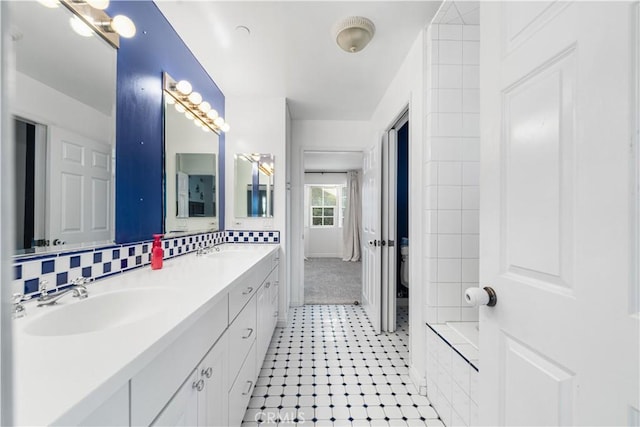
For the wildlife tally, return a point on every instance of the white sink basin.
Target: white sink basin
(99, 312)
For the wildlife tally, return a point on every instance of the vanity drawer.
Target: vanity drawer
(242, 334)
(247, 286)
(153, 387)
(242, 388)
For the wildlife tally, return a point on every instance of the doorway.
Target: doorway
(395, 226)
(332, 271)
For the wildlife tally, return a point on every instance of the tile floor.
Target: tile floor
(329, 368)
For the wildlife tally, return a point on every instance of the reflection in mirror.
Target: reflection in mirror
(254, 185)
(196, 185)
(64, 122)
(191, 173)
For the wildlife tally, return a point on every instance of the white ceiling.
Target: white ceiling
(290, 51)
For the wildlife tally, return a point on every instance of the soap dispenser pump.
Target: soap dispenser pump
(157, 254)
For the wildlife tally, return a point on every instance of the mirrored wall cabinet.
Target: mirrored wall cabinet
(254, 185)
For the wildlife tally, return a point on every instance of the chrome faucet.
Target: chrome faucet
(18, 308)
(205, 249)
(77, 287)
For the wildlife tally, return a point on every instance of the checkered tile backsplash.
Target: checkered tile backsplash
(58, 269)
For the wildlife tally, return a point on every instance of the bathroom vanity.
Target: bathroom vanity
(177, 346)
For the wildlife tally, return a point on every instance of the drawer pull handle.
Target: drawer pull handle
(250, 330)
(275, 314)
(207, 372)
(267, 285)
(248, 291)
(198, 385)
(250, 383)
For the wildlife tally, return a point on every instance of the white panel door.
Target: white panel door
(389, 179)
(79, 196)
(561, 345)
(371, 227)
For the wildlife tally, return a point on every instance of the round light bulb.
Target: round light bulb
(195, 98)
(124, 26)
(225, 127)
(188, 115)
(184, 87)
(205, 107)
(205, 128)
(180, 108)
(219, 121)
(198, 123)
(98, 4)
(51, 4)
(212, 114)
(169, 100)
(80, 27)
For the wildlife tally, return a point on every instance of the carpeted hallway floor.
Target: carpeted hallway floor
(332, 281)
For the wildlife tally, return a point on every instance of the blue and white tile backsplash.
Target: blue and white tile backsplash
(58, 269)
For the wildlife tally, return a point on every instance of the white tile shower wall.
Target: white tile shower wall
(58, 269)
(452, 165)
(451, 381)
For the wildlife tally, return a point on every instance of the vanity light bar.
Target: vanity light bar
(110, 29)
(182, 94)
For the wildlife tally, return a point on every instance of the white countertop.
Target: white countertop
(62, 379)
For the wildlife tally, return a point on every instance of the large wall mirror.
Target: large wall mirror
(64, 117)
(191, 172)
(254, 178)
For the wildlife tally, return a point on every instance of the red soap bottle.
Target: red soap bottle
(157, 254)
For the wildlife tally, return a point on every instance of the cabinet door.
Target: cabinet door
(182, 410)
(213, 398)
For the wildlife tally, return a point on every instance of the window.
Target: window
(324, 203)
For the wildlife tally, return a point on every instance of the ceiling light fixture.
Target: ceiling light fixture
(191, 103)
(354, 33)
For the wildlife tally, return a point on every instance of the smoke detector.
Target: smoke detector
(353, 33)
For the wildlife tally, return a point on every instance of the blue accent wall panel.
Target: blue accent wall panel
(156, 48)
(402, 189)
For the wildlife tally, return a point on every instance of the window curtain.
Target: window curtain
(352, 217)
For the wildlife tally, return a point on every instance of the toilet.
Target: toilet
(404, 263)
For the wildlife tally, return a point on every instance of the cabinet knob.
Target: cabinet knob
(250, 331)
(198, 385)
(267, 285)
(248, 291)
(207, 372)
(275, 314)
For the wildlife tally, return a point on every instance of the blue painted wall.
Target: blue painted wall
(155, 49)
(402, 195)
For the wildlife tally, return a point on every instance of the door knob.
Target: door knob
(481, 296)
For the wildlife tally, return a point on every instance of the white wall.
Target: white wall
(315, 135)
(43, 104)
(322, 242)
(406, 89)
(452, 171)
(259, 125)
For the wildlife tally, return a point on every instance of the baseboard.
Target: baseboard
(418, 380)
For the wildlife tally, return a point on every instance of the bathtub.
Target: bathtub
(452, 371)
